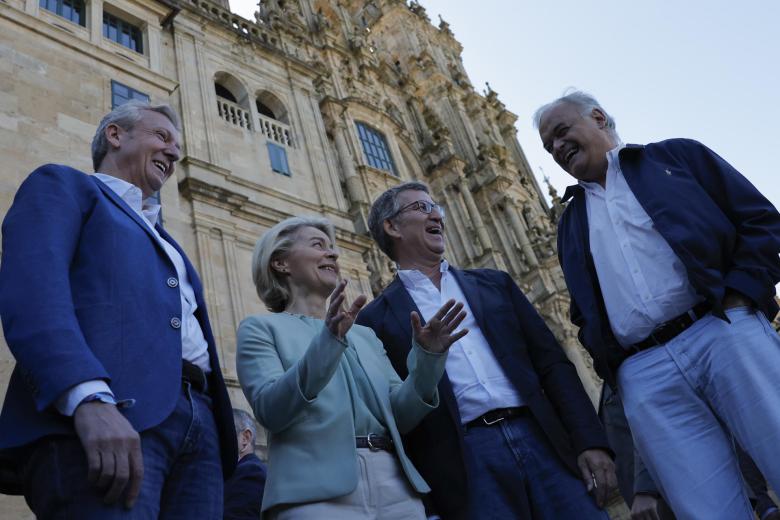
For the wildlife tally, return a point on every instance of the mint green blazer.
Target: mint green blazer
(311, 442)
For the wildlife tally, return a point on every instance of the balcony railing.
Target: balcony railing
(275, 130)
(232, 113)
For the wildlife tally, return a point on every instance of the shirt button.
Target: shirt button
(172, 282)
(175, 323)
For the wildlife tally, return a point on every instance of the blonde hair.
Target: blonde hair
(276, 242)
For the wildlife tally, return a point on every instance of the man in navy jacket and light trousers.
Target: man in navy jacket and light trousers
(116, 407)
(671, 259)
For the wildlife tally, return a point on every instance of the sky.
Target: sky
(702, 69)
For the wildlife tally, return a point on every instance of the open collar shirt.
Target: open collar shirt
(477, 379)
(642, 280)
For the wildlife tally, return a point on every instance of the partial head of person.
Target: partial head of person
(246, 432)
(296, 258)
(139, 143)
(578, 133)
(408, 226)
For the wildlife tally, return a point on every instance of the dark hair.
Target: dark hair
(385, 207)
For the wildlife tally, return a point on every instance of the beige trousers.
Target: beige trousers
(382, 493)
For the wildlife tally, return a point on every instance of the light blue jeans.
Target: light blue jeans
(685, 399)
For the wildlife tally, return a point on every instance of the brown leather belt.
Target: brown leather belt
(193, 374)
(670, 329)
(374, 442)
(496, 416)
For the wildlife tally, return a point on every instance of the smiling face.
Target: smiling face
(579, 144)
(418, 238)
(311, 264)
(146, 154)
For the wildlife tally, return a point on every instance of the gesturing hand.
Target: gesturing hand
(337, 319)
(113, 450)
(437, 335)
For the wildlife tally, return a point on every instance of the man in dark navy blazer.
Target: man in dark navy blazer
(244, 490)
(671, 259)
(516, 435)
(116, 407)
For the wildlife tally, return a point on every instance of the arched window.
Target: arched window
(232, 100)
(273, 121)
(375, 148)
(224, 93)
(264, 110)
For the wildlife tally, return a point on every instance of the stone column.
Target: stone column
(351, 178)
(521, 232)
(476, 218)
(95, 19)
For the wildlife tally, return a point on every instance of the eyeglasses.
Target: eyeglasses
(421, 205)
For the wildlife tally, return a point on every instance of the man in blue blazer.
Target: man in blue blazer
(244, 490)
(116, 407)
(671, 259)
(516, 435)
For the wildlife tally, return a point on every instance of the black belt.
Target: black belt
(669, 329)
(193, 374)
(496, 416)
(374, 442)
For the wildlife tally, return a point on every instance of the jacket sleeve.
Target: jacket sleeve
(755, 265)
(278, 396)
(41, 233)
(413, 398)
(557, 375)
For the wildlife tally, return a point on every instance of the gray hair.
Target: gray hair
(583, 101)
(244, 421)
(385, 207)
(126, 116)
(272, 286)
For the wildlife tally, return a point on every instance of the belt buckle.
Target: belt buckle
(491, 423)
(370, 444)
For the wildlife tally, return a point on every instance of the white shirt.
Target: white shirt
(642, 280)
(478, 381)
(194, 345)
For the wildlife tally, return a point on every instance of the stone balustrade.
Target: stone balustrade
(275, 130)
(232, 113)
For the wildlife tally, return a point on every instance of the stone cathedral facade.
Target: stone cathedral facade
(312, 108)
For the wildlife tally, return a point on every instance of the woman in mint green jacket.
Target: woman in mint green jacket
(331, 402)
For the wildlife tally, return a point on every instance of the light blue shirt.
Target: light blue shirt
(478, 381)
(642, 280)
(194, 345)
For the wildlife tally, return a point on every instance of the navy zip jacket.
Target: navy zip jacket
(724, 231)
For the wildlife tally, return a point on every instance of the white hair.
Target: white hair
(583, 101)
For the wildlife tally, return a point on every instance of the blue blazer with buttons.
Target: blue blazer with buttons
(723, 230)
(87, 292)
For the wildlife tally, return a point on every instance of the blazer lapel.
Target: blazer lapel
(121, 204)
(401, 305)
(473, 294)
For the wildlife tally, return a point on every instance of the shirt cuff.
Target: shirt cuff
(67, 403)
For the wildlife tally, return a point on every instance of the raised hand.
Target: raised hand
(337, 319)
(437, 334)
